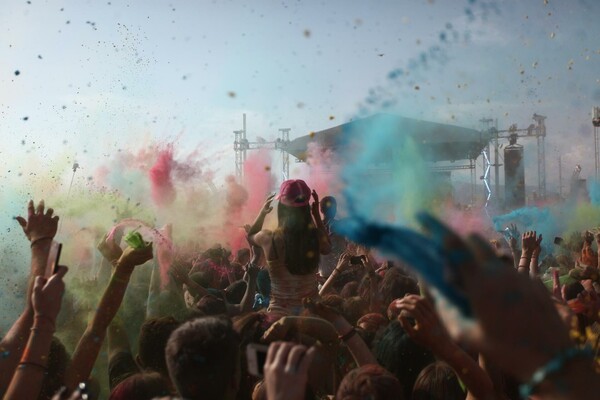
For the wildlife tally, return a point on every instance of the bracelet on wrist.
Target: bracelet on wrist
(33, 364)
(348, 335)
(553, 366)
(40, 318)
(36, 241)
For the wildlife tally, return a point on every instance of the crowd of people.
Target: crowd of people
(303, 313)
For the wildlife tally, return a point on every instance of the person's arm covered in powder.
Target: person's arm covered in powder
(255, 238)
(29, 377)
(40, 228)
(89, 345)
(324, 240)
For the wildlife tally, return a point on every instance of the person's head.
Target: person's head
(370, 382)
(353, 308)
(328, 207)
(571, 290)
(396, 285)
(437, 381)
(243, 256)
(350, 289)
(371, 326)
(152, 341)
(296, 227)
(401, 356)
(203, 357)
(207, 277)
(211, 305)
(141, 386)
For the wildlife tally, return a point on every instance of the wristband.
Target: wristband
(43, 317)
(348, 335)
(33, 364)
(40, 239)
(554, 365)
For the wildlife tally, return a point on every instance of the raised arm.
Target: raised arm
(89, 345)
(534, 270)
(529, 241)
(429, 332)
(324, 240)
(317, 328)
(347, 333)
(28, 378)
(39, 228)
(343, 263)
(256, 227)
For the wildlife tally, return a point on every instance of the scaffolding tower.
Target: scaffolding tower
(537, 131)
(242, 145)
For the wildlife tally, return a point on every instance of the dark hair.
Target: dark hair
(437, 381)
(328, 207)
(370, 382)
(205, 277)
(242, 253)
(370, 327)
(572, 290)
(350, 289)
(400, 355)
(300, 237)
(152, 340)
(353, 308)
(58, 361)
(141, 386)
(396, 285)
(234, 293)
(202, 357)
(211, 305)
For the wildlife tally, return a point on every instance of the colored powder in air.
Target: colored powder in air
(323, 171)
(162, 189)
(258, 183)
(385, 175)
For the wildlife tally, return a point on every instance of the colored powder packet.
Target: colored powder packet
(135, 240)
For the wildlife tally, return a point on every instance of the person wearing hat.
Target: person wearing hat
(293, 249)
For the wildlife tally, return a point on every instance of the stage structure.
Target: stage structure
(445, 147)
(537, 131)
(242, 145)
(596, 123)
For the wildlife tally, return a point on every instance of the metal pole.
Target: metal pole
(560, 185)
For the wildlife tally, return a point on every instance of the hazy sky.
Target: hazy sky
(97, 76)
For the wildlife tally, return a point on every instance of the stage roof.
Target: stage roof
(437, 142)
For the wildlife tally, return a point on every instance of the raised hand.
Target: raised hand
(556, 287)
(314, 207)
(537, 246)
(320, 309)
(47, 295)
(516, 323)
(132, 257)
(267, 208)
(343, 262)
(277, 331)
(530, 242)
(109, 249)
(512, 233)
(39, 225)
(428, 330)
(286, 370)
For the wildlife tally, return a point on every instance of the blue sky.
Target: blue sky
(116, 74)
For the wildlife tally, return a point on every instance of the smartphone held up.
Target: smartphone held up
(53, 259)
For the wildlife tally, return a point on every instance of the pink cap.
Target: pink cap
(294, 193)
